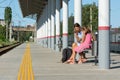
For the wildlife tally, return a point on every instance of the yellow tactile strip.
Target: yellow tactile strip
(25, 71)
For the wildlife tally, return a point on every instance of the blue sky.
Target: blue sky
(16, 13)
(19, 20)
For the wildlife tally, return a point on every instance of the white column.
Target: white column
(41, 30)
(104, 27)
(46, 23)
(78, 11)
(42, 33)
(65, 23)
(49, 23)
(41, 25)
(57, 23)
(52, 23)
(35, 32)
(38, 35)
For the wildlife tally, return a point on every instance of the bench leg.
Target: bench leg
(96, 60)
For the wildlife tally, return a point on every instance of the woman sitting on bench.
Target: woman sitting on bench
(85, 45)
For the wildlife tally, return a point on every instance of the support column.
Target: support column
(65, 23)
(77, 16)
(41, 30)
(52, 23)
(42, 33)
(46, 23)
(35, 33)
(49, 23)
(78, 11)
(57, 23)
(104, 27)
(38, 30)
(44, 28)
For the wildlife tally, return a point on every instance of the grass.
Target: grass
(6, 43)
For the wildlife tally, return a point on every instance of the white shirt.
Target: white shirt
(80, 36)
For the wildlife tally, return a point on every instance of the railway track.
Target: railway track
(7, 48)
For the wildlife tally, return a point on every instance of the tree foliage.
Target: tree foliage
(2, 33)
(70, 24)
(86, 16)
(8, 15)
(23, 35)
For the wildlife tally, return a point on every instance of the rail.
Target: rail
(7, 48)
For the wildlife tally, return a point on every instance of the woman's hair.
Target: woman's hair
(76, 25)
(87, 29)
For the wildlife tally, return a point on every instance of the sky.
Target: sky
(17, 18)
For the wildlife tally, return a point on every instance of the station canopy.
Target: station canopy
(31, 7)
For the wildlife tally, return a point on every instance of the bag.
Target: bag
(66, 53)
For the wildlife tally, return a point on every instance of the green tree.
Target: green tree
(2, 33)
(24, 36)
(70, 24)
(86, 16)
(8, 17)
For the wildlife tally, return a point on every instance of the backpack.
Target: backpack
(66, 53)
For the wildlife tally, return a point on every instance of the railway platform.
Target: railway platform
(30, 61)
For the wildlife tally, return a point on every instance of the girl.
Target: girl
(86, 43)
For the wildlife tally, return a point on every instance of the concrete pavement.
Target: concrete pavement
(47, 66)
(10, 62)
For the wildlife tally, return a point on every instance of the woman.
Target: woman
(86, 43)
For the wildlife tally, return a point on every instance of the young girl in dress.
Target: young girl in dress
(86, 43)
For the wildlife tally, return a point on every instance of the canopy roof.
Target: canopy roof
(29, 7)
